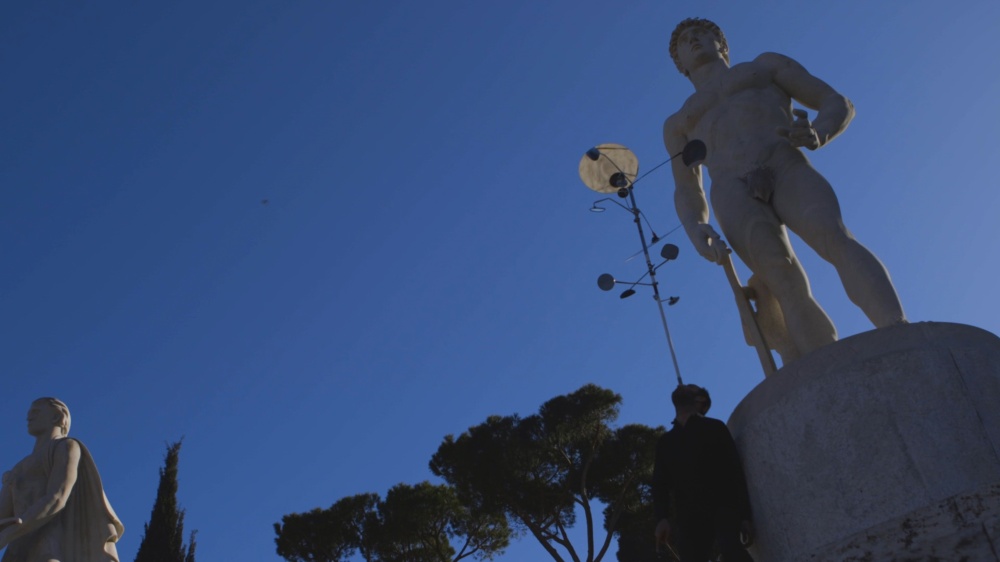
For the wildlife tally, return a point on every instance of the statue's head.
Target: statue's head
(704, 24)
(46, 413)
(691, 396)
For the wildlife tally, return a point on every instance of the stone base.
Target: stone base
(964, 528)
(882, 446)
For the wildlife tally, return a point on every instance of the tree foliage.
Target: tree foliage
(163, 536)
(634, 449)
(421, 523)
(539, 471)
(327, 535)
(189, 557)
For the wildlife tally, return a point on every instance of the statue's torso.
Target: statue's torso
(737, 117)
(28, 482)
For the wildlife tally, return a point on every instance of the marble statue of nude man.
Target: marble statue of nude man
(763, 183)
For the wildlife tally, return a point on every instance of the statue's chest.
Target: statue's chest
(28, 480)
(744, 85)
(745, 77)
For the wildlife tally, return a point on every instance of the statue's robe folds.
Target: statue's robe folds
(86, 530)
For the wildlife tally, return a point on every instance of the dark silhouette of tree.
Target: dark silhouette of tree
(629, 460)
(635, 536)
(163, 536)
(538, 471)
(189, 557)
(327, 535)
(421, 523)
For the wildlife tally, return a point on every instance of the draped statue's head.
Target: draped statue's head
(46, 413)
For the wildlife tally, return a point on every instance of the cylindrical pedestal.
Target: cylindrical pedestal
(882, 446)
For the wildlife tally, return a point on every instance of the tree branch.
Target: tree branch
(588, 513)
(545, 543)
(566, 542)
(461, 553)
(616, 512)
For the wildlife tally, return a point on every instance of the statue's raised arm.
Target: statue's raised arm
(835, 110)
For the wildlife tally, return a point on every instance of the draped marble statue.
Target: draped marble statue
(52, 504)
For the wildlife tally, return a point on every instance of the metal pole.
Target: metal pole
(652, 277)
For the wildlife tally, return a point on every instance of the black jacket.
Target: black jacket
(698, 470)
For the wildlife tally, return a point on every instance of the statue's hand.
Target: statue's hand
(801, 133)
(709, 244)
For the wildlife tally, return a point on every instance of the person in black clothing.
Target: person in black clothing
(698, 476)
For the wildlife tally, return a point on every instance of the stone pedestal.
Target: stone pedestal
(882, 446)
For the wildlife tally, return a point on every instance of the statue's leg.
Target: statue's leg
(806, 203)
(758, 238)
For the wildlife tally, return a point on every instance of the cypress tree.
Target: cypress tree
(163, 536)
(190, 548)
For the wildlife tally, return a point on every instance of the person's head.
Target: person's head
(47, 413)
(692, 25)
(691, 398)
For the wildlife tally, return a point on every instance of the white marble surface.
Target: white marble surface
(763, 184)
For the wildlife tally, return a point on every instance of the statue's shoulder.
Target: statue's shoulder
(672, 124)
(64, 447)
(772, 61)
(675, 131)
(679, 121)
(67, 443)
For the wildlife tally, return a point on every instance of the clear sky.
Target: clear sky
(425, 257)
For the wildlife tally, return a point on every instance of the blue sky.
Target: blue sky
(425, 257)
